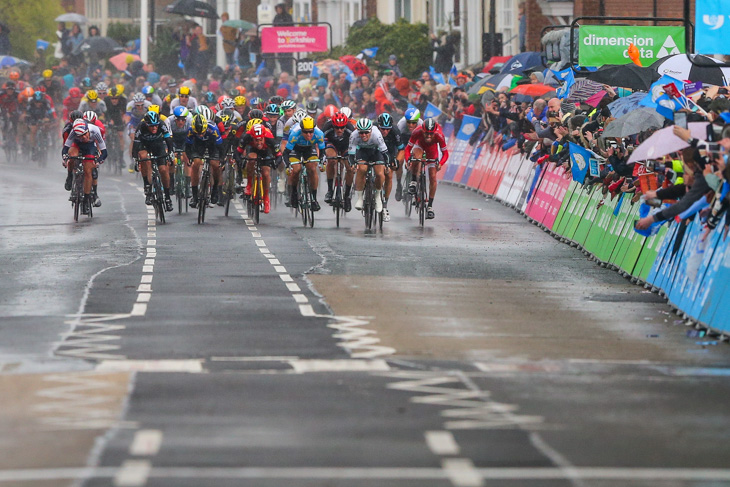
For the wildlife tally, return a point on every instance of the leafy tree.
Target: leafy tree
(164, 52)
(122, 33)
(28, 21)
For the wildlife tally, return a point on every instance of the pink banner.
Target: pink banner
(294, 39)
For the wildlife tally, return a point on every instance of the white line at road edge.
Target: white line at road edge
(134, 473)
(146, 443)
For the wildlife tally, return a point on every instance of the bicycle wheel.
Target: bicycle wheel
(304, 196)
(338, 205)
(202, 197)
(76, 204)
(422, 202)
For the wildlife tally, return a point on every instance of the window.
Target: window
(457, 13)
(403, 9)
(124, 9)
(507, 20)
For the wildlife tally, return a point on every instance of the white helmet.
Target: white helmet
(346, 111)
(90, 116)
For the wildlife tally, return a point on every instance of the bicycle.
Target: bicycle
(42, 144)
(255, 202)
(116, 154)
(10, 143)
(228, 188)
(407, 196)
(368, 209)
(205, 187)
(338, 198)
(77, 188)
(158, 192)
(305, 195)
(420, 201)
(182, 183)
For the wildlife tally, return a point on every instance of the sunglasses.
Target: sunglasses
(184, 96)
(307, 131)
(363, 132)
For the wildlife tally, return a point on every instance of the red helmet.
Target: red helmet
(220, 99)
(74, 92)
(257, 131)
(339, 119)
(329, 111)
(430, 125)
(14, 75)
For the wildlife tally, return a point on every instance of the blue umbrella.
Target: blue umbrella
(523, 62)
(6, 61)
(624, 105)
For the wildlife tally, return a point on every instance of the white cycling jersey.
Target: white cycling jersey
(95, 137)
(374, 142)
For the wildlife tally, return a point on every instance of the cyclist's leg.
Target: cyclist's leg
(250, 167)
(313, 172)
(415, 168)
(296, 167)
(33, 132)
(362, 169)
(145, 166)
(266, 177)
(432, 183)
(331, 170)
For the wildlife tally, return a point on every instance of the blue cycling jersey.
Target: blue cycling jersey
(297, 138)
(211, 134)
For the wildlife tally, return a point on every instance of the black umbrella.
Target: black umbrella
(98, 45)
(193, 8)
(693, 68)
(624, 76)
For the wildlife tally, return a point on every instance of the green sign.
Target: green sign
(609, 44)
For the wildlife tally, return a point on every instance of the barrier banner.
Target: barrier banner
(566, 209)
(468, 126)
(495, 172)
(294, 39)
(521, 181)
(475, 153)
(489, 169)
(509, 175)
(478, 171)
(540, 199)
(463, 163)
(556, 193)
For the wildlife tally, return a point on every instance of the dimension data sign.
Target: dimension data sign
(609, 44)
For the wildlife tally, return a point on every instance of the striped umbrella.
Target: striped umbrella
(686, 67)
(624, 105)
(583, 89)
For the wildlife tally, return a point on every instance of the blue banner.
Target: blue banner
(452, 75)
(370, 51)
(579, 158)
(437, 77)
(568, 79)
(660, 101)
(431, 111)
(712, 26)
(469, 125)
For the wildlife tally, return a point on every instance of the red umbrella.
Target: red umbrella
(358, 67)
(532, 89)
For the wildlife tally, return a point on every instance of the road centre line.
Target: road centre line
(462, 473)
(134, 473)
(146, 443)
(442, 442)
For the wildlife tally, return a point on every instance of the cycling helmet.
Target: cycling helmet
(114, 92)
(138, 98)
(171, 83)
(75, 115)
(220, 99)
(90, 116)
(258, 131)
(200, 124)
(39, 96)
(346, 111)
(205, 112)
(226, 116)
(10, 85)
(307, 123)
(240, 101)
(276, 100)
(74, 92)
(273, 109)
(312, 106)
(299, 115)
(385, 121)
(412, 115)
(256, 113)
(154, 108)
(329, 111)
(28, 93)
(340, 120)
(183, 90)
(288, 104)
(227, 103)
(92, 95)
(101, 86)
(252, 122)
(152, 118)
(120, 90)
(241, 90)
(40, 87)
(14, 75)
(181, 112)
(364, 125)
(147, 90)
(86, 82)
(47, 74)
(255, 101)
(80, 127)
(429, 125)
(232, 93)
(210, 97)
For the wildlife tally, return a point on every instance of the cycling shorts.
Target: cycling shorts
(302, 152)
(155, 148)
(369, 154)
(262, 154)
(86, 148)
(197, 149)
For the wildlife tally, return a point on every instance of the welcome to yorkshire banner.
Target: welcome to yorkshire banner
(609, 44)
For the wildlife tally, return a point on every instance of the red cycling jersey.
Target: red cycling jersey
(9, 103)
(430, 149)
(100, 124)
(69, 105)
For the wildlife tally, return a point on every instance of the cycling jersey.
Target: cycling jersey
(339, 143)
(69, 105)
(296, 139)
(9, 104)
(374, 142)
(99, 108)
(192, 103)
(37, 111)
(155, 143)
(114, 113)
(87, 148)
(195, 144)
(179, 135)
(430, 149)
(394, 142)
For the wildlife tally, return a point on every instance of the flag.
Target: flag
(370, 52)
(261, 66)
(437, 77)
(712, 26)
(350, 76)
(568, 79)
(452, 75)
(660, 97)
(690, 88)
(41, 44)
(431, 111)
(579, 159)
(315, 72)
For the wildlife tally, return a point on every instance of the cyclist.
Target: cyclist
(184, 98)
(337, 140)
(210, 101)
(325, 117)
(179, 125)
(203, 135)
(305, 143)
(292, 123)
(53, 86)
(92, 119)
(151, 96)
(395, 154)
(406, 125)
(72, 101)
(136, 110)
(425, 142)
(289, 107)
(86, 84)
(38, 111)
(239, 105)
(225, 121)
(312, 109)
(102, 90)
(92, 101)
(366, 146)
(116, 105)
(153, 139)
(259, 143)
(86, 141)
(9, 106)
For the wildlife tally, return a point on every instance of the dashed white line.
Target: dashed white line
(133, 473)
(442, 443)
(307, 310)
(286, 277)
(144, 288)
(192, 366)
(146, 443)
(293, 287)
(279, 268)
(273, 261)
(300, 298)
(462, 473)
(139, 309)
(347, 365)
(146, 278)
(255, 234)
(147, 268)
(265, 358)
(149, 262)
(143, 297)
(151, 243)
(260, 243)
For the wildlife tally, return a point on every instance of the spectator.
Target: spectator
(283, 18)
(393, 66)
(73, 42)
(4, 40)
(230, 36)
(445, 52)
(93, 31)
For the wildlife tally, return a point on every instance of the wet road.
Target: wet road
(475, 352)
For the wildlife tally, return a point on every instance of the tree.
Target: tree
(28, 21)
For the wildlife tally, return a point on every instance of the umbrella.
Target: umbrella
(594, 100)
(624, 75)
(330, 65)
(71, 17)
(6, 61)
(239, 24)
(688, 67)
(495, 62)
(193, 8)
(522, 62)
(358, 67)
(534, 90)
(494, 82)
(98, 45)
(663, 142)
(120, 60)
(583, 89)
(622, 106)
(635, 121)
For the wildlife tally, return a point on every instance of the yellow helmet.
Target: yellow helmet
(307, 123)
(92, 95)
(120, 90)
(240, 101)
(47, 73)
(252, 122)
(199, 124)
(154, 108)
(183, 90)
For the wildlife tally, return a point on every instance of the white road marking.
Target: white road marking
(151, 234)
(286, 277)
(190, 366)
(147, 268)
(264, 250)
(150, 223)
(253, 229)
(133, 185)
(260, 243)
(293, 287)
(462, 473)
(139, 309)
(347, 365)
(300, 298)
(144, 288)
(134, 473)
(442, 443)
(273, 261)
(149, 262)
(151, 243)
(255, 234)
(254, 359)
(144, 297)
(146, 278)
(307, 310)
(146, 443)
(279, 268)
